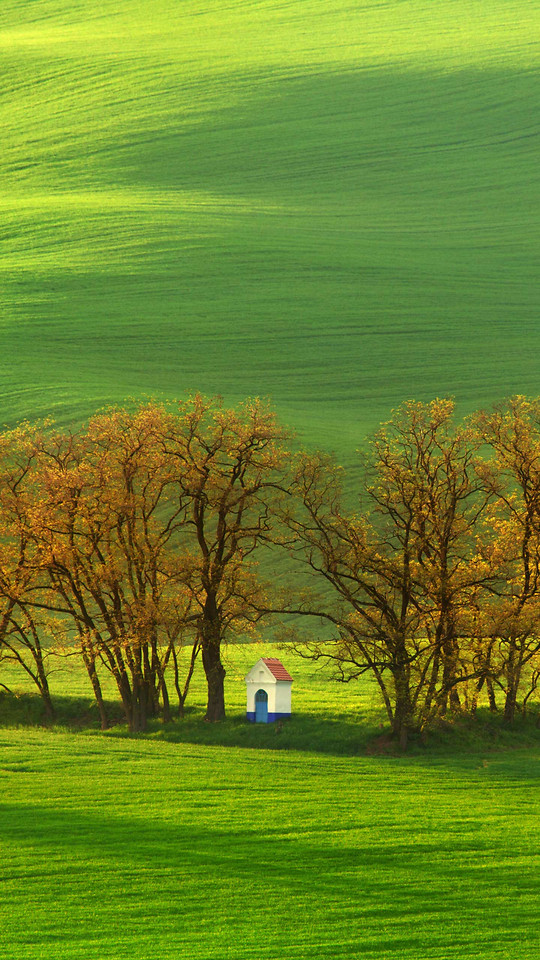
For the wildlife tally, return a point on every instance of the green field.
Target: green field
(331, 204)
(179, 846)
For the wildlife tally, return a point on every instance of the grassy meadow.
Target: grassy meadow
(203, 841)
(330, 204)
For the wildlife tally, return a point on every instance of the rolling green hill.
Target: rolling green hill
(328, 203)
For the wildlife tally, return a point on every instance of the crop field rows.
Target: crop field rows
(329, 207)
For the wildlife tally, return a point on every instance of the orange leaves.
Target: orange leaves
(136, 525)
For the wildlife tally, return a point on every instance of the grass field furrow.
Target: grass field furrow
(333, 207)
(305, 855)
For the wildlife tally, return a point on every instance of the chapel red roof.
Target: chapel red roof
(276, 668)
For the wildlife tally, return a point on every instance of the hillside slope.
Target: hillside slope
(332, 204)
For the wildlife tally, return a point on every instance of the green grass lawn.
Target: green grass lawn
(329, 204)
(203, 841)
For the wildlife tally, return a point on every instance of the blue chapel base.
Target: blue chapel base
(272, 717)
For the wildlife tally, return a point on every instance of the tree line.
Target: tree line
(134, 541)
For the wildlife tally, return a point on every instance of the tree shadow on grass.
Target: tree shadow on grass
(366, 735)
(76, 713)
(329, 733)
(305, 732)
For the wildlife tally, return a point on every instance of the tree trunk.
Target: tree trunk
(118, 669)
(487, 679)
(510, 704)
(128, 696)
(215, 676)
(210, 637)
(513, 677)
(432, 686)
(167, 715)
(139, 714)
(402, 723)
(177, 682)
(449, 695)
(150, 682)
(161, 688)
(491, 695)
(90, 664)
(42, 680)
(47, 700)
(182, 694)
(136, 715)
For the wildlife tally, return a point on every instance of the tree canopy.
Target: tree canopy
(135, 540)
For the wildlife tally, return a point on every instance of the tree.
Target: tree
(21, 625)
(428, 494)
(140, 532)
(404, 571)
(230, 467)
(104, 520)
(512, 541)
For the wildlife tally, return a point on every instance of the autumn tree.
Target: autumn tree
(104, 524)
(230, 466)
(511, 612)
(140, 533)
(21, 625)
(426, 485)
(402, 570)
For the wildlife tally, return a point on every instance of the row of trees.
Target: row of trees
(134, 540)
(435, 578)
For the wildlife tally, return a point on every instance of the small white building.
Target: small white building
(268, 691)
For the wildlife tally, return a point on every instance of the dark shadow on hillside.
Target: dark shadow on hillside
(326, 132)
(304, 732)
